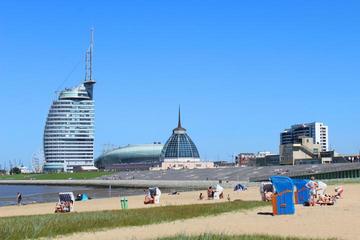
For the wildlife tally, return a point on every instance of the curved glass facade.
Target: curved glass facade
(131, 157)
(69, 130)
(180, 146)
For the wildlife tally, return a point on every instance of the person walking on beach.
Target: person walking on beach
(18, 198)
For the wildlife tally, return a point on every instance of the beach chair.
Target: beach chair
(154, 193)
(66, 202)
(283, 198)
(302, 193)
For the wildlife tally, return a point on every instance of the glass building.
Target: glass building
(179, 147)
(131, 157)
(69, 130)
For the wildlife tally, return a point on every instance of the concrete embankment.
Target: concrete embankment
(124, 183)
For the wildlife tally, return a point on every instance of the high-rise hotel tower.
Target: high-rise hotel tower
(69, 130)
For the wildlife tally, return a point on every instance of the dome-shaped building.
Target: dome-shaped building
(180, 151)
(179, 146)
(131, 157)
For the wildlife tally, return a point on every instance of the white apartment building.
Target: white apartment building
(316, 130)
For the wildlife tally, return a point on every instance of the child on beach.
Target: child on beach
(201, 197)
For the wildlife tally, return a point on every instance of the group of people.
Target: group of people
(63, 206)
(317, 191)
(318, 195)
(152, 195)
(213, 194)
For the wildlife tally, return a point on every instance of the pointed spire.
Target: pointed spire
(179, 128)
(91, 51)
(89, 58)
(179, 120)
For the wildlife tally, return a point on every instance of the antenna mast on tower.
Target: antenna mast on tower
(88, 58)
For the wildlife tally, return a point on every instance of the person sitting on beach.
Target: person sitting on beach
(66, 207)
(221, 196)
(201, 197)
(210, 193)
(148, 198)
(339, 192)
(59, 207)
(268, 196)
(325, 200)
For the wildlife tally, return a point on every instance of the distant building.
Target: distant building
(303, 150)
(263, 154)
(223, 164)
(180, 152)
(131, 157)
(262, 158)
(69, 130)
(266, 160)
(316, 130)
(243, 159)
(24, 169)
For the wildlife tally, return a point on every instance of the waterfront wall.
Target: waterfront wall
(124, 183)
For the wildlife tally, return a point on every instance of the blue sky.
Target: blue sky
(241, 70)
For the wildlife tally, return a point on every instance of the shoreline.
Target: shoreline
(184, 184)
(135, 201)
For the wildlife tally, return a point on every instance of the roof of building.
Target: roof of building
(179, 145)
(78, 92)
(131, 153)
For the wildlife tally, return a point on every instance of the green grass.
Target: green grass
(55, 176)
(236, 237)
(51, 225)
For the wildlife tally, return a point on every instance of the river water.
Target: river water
(44, 193)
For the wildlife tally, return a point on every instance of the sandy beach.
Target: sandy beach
(337, 221)
(133, 201)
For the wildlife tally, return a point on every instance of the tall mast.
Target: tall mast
(89, 81)
(89, 58)
(91, 50)
(179, 118)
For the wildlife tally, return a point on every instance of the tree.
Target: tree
(15, 170)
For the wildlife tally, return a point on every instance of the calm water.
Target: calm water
(35, 193)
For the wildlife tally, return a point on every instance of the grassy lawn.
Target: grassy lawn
(55, 176)
(51, 225)
(236, 237)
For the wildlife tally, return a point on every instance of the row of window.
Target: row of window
(69, 131)
(68, 154)
(62, 102)
(69, 135)
(69, 123)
